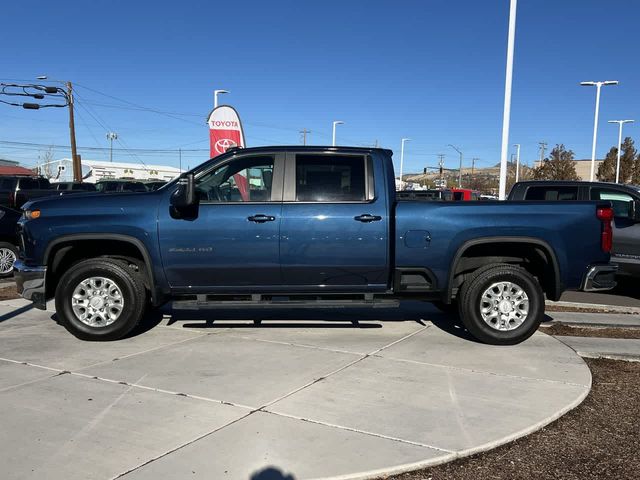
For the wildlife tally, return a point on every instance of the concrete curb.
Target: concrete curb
(610, 356)
(596, 306)
(569, 323)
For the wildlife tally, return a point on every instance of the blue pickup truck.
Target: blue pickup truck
(306, 226)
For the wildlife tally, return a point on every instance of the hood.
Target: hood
(93, 202)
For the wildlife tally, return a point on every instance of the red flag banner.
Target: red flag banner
(225, 131)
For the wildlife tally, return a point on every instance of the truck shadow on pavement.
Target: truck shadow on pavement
(286, 318)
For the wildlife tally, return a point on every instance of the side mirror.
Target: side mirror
(184, 200)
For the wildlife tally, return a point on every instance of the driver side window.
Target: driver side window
(247, 179)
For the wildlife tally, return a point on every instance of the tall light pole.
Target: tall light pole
(215, 96)
(402, 159)
(620, 123)
(460, 170)
(517, 145)
(506, 114)
(337, 122)
(111, 136)
(598, 86)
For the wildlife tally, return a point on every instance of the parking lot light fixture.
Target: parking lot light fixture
(620, 123)
(402, 160)
(506, 113)
(517, 145)
(215, 96)
(337, 122)
(598, 86)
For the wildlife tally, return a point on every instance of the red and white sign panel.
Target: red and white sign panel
(225, 130)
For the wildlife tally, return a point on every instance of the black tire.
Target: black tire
(127, 280)
(8, 248)
(470, 297)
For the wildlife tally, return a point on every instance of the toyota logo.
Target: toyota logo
(224, 144)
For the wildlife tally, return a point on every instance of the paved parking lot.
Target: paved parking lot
(309, 394)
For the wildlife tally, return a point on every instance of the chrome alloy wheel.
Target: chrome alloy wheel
(97, 301)
(504, 306)
(7, 259)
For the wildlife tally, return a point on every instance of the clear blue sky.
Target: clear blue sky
(431, 70)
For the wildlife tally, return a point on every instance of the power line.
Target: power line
(33, 146)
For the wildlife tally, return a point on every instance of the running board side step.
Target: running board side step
(273, 301)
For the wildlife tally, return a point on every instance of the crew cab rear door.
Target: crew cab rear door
(234, 240)
(335, 226)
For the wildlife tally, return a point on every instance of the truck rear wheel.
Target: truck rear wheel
(100, 299)
(503, 305)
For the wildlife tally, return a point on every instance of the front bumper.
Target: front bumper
(599, 277)
(30, 282)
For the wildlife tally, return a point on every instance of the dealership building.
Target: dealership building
(94, 170)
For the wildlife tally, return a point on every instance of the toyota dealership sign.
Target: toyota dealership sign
(225, 130)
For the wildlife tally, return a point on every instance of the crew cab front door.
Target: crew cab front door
(234, 240)
(334, 232)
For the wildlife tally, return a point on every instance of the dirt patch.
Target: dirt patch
(564, 308)
(8, 293)
(600, 332)
(600, 439)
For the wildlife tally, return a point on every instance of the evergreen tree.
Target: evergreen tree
(627, 160)
(635, 177)
(628, 166)
(607, 169)
(558, 166)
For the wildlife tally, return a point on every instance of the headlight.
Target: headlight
(31, 214)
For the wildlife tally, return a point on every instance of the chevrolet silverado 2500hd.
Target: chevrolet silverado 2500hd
(306, 226)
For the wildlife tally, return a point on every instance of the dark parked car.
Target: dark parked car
(8, 240)
(155, 185)
(65, 188)
(625, 200)
(442, 195)
(15, 191)
(306, 226)
(114, 186)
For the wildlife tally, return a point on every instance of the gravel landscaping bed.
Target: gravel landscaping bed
(600, 439)
(9, 292)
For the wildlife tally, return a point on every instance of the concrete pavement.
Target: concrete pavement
(309, 394)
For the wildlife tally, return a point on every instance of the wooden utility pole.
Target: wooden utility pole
(543, 147)
(75, 158)
(304, 135)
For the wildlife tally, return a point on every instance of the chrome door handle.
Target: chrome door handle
(260, 218)
(366, 218)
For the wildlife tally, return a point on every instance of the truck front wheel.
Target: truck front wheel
(503, 305)
(100, 299)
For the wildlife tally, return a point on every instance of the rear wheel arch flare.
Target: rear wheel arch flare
(518, 245)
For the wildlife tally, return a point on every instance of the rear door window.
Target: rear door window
(330, 178)
(621, 201)
(552, 193)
